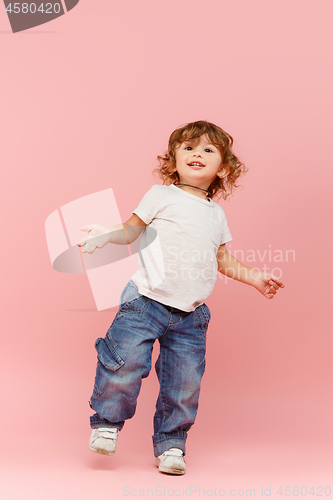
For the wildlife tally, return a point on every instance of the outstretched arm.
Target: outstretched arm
(265, 283)
(122, 234)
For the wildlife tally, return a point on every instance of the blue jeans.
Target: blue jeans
(124, 359)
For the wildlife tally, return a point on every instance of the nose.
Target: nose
(196, 153)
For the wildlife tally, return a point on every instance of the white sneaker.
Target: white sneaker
(104, 440)
(171, 461)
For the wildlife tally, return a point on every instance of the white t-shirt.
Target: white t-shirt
(178, 247)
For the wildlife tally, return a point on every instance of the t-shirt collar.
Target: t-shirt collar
(193, 196)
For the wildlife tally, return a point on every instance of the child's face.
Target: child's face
(204, 153)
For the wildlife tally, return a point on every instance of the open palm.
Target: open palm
(97, 236)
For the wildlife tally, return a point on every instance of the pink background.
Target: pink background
(87, 103)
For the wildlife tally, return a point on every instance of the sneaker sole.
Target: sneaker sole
(101, 452)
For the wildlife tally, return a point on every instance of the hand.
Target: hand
(98, 236)
(267, 284)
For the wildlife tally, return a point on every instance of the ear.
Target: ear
(224, 171)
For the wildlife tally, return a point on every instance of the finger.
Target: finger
(277, 280)
(85, 228)
(276, 285)
(85, 247)
(89, 248)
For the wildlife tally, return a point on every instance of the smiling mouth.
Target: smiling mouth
(196, 164)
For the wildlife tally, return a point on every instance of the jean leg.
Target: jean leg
(124, 359)
(179, 368)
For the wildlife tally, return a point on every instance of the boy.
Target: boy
(164, 299)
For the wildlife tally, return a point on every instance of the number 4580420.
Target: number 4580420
(31, 8)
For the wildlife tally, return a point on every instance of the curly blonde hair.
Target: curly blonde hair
(191, 132)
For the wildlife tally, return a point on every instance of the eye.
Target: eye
(186, 147)
(207, 149)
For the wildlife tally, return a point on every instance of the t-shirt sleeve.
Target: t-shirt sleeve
(149, 205)
(225, 233)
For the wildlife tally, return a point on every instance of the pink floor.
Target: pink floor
(282, 444)
(264, 421)
(51, 470)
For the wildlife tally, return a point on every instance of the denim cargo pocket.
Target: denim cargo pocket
(108, 355)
